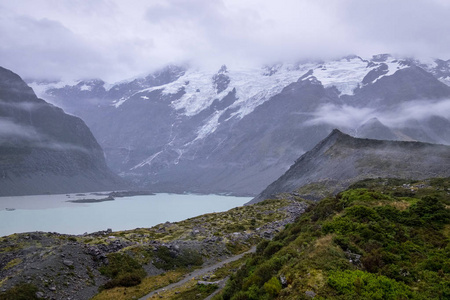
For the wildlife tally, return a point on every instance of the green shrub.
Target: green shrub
(363, 285)
(261, 246)
(360, 196)
(388, 212)
(362, 214)
(340, 225)
(240, 296)
(272, 287)
(272, 248)
(169, 259)
(123, 271)
(22, 291)
(325, 208)
(126, 280)
(430, 209)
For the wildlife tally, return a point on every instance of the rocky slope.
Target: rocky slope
(237, 130)
(44, 150)
(58, 266)
(340, 160)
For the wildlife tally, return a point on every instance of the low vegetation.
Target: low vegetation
(239, 219)
(197, 292)
(22, 291)
(236, 230)
(147, 285)
(167, 260)
(123, 271)
(380, 239)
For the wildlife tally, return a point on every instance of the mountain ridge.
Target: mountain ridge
(340, 160)
(42, 149)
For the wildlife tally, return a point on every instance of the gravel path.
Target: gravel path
(198, 273)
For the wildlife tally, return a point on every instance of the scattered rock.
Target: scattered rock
(283, 280)
(310, 294)
(68, 263)
(201, 282)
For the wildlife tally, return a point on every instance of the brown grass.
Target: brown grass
(148, 284)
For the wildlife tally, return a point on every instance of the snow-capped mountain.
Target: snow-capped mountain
(236, 130)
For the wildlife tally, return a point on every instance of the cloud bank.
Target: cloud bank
(346, 116)
(13, 134)
(115, 39)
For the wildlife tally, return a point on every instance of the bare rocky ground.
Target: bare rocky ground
(67, 266)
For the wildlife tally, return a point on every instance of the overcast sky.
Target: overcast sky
(114, 39)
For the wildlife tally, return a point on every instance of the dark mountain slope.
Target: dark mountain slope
(44, 150)
(407, 84)
(339, 160)
(247, 154)
(374, 129)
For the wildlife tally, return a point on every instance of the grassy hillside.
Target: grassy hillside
(380, 239)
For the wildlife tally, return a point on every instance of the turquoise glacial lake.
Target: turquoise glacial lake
(53, 213)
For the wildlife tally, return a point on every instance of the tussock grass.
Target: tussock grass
(147, 285)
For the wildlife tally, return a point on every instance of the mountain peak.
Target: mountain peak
(223, 69)
(13, 88)
(381, 57)
(337, 133)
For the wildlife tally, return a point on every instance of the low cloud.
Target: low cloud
(341, 115)
(416, 110)
(27, 106)
(114, 39)
(9, 129)
(346, 116)
(14, 134)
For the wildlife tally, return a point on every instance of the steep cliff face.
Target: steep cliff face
(44, 150)
(340, 160)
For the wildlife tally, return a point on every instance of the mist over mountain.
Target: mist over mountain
(237, 130)
(341, 160)
(44, 150)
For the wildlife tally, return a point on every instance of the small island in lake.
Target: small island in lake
(111, 196)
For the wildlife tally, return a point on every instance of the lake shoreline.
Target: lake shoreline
(80, 213)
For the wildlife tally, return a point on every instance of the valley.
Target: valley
(224, 150)
(303, 249)
(184, 128)
(271, 135)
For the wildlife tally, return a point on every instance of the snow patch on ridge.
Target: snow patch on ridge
(199, 92)
(344, 74)
(252, 89)
(119, 102)
(85, 87)
(394, 66)
(41, 88)
(148, 161)
(210, 126)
